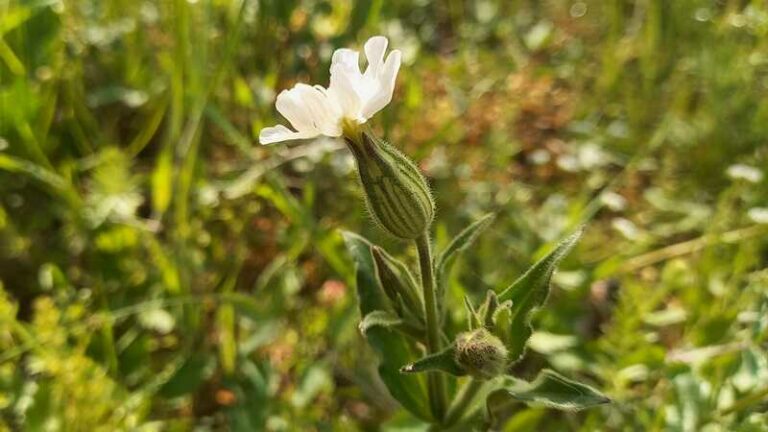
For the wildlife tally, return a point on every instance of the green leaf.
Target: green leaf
(529, 293)
(489, 309)
(392, 347)
(473, 320)
(460, 243)
(58, 185)
(226, 325)
(444, 361)
(13, 17)
(398, 283)
(189, 377)
(549, 389)
(162, 181)
(316, 380)
(379, 318)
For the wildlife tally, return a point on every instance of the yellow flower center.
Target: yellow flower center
(351, 130)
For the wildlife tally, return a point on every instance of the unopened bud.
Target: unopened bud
(396, 192)
(480, 354)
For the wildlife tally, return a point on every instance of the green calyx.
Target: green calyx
(480, 354)
(395, 191)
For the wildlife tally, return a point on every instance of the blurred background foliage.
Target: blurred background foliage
(161, 271)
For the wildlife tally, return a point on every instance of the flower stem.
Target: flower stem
(435, 381)
(459, 405)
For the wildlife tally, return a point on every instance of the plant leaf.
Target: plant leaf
(460, 243)
(529, 292)
(549, 389)
(191, 375)
(391, 347)
(473, 320)
(397, 282)
(162, 181)
(444, 361)
(489, 309)
(378, 318)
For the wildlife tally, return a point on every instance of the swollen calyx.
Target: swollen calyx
(395, 191)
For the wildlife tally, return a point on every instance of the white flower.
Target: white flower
(352, 95)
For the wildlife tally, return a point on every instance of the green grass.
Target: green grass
(162, 271)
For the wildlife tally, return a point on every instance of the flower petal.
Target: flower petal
(270, 135)
(385, 79)
(323, 109)
(291, 105)
(374, 52)
(344, 90)
(350, 59)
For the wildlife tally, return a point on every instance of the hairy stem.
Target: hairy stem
(436, 383)
(459, 405)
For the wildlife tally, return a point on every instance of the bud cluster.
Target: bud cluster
(480, 354)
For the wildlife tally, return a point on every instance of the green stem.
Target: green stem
(459, 405)
(438, 396)
(745, 402)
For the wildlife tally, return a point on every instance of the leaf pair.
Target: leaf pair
(488, 313)
(392, 347)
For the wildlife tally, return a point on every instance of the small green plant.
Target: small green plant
(420, 358)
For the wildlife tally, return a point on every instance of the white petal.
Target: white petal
(386, 86)
(344, 89)
(291, 105)
(350, 59)
(374, 52)
(270, 135)
(323, 109)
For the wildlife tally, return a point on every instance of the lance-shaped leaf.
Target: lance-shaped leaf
(445, 259)
(379, 318)
(391, 347)
(473, 319)
(549, 389)
(488, 313)
(460, 243)
(491, 308)
(529, 293)
(390, 321)
(444, 361)
(398, 283)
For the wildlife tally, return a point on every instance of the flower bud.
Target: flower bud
(395, 191)
(480, 354)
